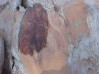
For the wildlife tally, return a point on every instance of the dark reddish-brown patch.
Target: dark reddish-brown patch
(33, 31)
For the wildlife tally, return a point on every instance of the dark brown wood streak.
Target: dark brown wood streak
(33, 31)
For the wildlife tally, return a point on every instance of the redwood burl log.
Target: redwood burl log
(33, 30)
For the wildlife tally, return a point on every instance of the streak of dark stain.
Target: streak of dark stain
(34, 30)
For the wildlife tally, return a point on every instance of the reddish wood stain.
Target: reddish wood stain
(33, 31)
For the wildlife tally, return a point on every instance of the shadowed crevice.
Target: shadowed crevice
(6, 64)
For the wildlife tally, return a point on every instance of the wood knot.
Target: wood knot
(34, 30)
